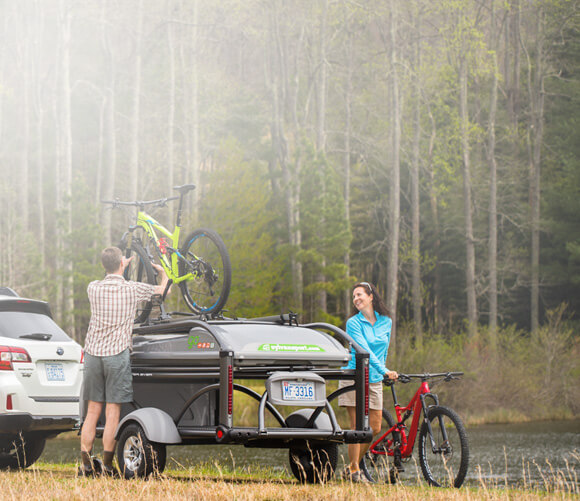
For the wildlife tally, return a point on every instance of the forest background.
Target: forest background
(429, 147)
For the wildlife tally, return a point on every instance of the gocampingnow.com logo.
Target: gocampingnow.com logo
(296, 348)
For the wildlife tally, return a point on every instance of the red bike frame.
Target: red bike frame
(403, 443)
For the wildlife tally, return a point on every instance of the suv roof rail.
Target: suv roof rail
(7, 291)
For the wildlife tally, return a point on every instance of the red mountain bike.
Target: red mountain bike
(443, 446)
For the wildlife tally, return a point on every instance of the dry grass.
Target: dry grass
(60, 482)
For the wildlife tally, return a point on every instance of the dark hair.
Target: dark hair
(378, 304)
(111, 258)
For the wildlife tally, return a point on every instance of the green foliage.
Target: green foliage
(325, 233)
(531, 376)
(237, 204)
(84, 249)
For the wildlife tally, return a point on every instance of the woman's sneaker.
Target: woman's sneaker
(354, 476)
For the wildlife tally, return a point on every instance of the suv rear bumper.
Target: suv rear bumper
(23, 421)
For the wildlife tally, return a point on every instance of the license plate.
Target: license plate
(303, 392)
(54, 372)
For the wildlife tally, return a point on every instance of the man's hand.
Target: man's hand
(164, 279)
(159, 268)
(125, 261)
(393, 375)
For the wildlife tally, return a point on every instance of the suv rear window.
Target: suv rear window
(16, 324)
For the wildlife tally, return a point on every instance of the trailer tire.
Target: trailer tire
(311, 462)
(137, 455)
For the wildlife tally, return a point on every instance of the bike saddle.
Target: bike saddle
(184, 188)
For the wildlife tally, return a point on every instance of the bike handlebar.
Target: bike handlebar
(161, 202)
(406, 378)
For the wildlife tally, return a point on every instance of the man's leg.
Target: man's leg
(112, 413)
(89, 431)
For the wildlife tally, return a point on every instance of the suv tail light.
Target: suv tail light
(10, 355)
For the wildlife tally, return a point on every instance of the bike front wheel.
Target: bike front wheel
(140, 270)
(443, 451)
(207, 259)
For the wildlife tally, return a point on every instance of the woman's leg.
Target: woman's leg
(375, 420)
(353, 449)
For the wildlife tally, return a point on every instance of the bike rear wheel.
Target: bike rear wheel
(444, 462)
(208, 260)
(140, 270)
(376, 466)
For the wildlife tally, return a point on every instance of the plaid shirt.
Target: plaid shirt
(114, 302)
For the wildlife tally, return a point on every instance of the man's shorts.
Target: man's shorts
(349, 399)
(108, 379)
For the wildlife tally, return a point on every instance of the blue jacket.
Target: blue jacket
(373, 338)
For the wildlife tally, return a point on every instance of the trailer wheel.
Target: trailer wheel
(311, 462)
(137, 456)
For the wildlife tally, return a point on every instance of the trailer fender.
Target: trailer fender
(157, 425)
(300, 417)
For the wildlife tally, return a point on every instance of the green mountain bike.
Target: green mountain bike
(200, 266)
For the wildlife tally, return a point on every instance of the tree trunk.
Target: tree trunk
(346, 158)
(492, 210)
(492, 246)
(394, 190)
(281, 100)
(24, 171)
(434, 206)
(415, 198)
(171, 110)
(467, 203)
(66, 181)
(110, 161)
(39, 121)
(322, 296)
(133, 177)
(512, 64)
(195, 176)
(536, 91)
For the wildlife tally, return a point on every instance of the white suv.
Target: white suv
(41, 371)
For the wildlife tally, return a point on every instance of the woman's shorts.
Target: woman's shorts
(375, 395)
(108, 379)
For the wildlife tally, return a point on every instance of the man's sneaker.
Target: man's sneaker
(85, 471)
(91, 471)
(110, 471)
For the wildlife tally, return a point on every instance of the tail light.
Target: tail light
(366, 390)
(10, 355)
(230, 390)
(9, 405)
(82, 357)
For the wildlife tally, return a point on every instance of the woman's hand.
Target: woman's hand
(393, 375)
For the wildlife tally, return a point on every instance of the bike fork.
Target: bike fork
(436, 449)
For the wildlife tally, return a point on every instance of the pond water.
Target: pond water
(523, 454)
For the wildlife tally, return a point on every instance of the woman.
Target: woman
(371, 329)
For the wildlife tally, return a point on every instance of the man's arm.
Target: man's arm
(160, 289)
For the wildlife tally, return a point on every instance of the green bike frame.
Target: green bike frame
(171, 267)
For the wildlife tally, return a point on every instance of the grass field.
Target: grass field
(48, 481)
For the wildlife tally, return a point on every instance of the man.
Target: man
(108, 377)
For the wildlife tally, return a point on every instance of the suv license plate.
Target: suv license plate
(54, 372)
(303, 392)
